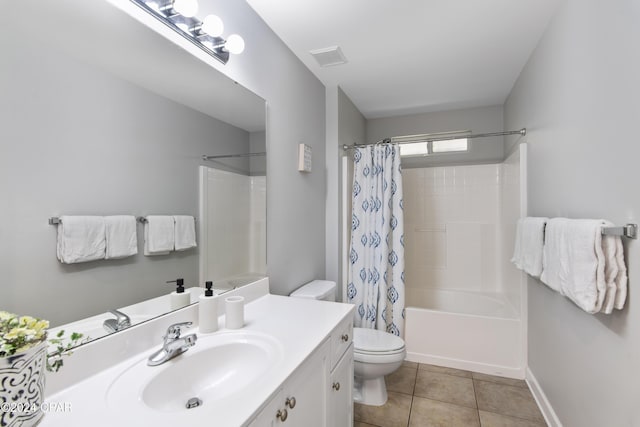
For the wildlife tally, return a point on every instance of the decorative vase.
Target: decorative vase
(22, 378)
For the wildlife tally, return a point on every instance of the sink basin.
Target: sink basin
(218, 367)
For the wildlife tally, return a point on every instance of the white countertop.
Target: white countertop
(299, 325)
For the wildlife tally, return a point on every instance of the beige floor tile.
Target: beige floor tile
(359, 424)
(507, 400)
(499, 380)
(407, 364)
(402, 381)
(445, 388)
(394, 413)
(489, 419)
(444, 370)
(431, 413)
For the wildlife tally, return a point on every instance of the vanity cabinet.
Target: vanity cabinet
(341, 391)
(302, 400)
(320, 391)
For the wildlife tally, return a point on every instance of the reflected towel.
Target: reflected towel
(159, 237)
(185, 232)
(81, 239)
(121, 236)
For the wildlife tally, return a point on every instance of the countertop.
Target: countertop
(300, 326)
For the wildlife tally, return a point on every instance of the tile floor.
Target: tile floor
(425, 395)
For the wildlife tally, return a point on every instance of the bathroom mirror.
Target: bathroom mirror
(101, 115)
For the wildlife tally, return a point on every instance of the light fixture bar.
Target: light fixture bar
(171, 19)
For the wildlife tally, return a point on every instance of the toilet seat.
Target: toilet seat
(373, 346)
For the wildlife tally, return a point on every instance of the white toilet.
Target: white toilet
(376, 353)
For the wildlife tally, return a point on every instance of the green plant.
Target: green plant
(20, 333)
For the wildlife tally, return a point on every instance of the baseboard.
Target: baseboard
(466, 365)
(549, 414)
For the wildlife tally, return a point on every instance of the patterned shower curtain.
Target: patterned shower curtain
(376, 257)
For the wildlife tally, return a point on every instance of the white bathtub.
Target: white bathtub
(464, 330)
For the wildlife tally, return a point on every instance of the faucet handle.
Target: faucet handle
(122, 319)
(173, 331)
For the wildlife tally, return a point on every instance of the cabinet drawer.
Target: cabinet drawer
(341, 339)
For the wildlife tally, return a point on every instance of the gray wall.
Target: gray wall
(578, 97)
(295, 114)
(77, 140)
(345, 125)
(477, 120)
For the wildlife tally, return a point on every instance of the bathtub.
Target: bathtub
(474, 331)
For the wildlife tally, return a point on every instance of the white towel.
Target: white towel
(611, 268)
(621, 278)
(185, 232)
(81, 239)
(574, 261)
(159, 237)
(527, 254)
(121, 236)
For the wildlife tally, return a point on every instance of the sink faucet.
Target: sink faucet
(173, 344)
(122, 321)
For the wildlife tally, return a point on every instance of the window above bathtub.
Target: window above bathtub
(426, 148)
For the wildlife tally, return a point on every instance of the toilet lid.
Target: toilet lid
(372, 341)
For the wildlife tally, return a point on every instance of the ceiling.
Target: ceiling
(414, 56)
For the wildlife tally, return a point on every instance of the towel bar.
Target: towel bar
(628, 230)
(143, 220)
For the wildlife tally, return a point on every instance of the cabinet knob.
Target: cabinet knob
(336, 386)
(290, 402)
(282, 415)
(345, 338)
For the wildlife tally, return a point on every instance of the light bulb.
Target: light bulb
(186, 8)
(234, 44)
(212, 25)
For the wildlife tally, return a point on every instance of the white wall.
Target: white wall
(345, 126)
(579, 97)
(295, 114)
(477, 120)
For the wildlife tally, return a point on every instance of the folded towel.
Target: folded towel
(574, 261)
(121, 236)
(609, 249)
(621, 278)
(527, 254)
(81, 239)
(185, 232)
(159, 237)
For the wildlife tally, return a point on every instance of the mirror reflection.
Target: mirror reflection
(116, 122)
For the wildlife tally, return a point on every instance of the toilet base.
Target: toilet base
(371, 392)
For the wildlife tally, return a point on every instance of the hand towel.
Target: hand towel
(573, 261)
(80, 239)
(159, 237)
(532, 243)
(185, 232)
(611, 268)
(121, 236)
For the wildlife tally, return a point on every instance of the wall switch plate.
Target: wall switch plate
(304, 158)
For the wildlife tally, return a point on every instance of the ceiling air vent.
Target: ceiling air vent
(329, 56)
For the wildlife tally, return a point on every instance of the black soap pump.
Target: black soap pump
(179, 298)
(208, 311)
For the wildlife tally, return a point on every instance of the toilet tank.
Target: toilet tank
(316, 289)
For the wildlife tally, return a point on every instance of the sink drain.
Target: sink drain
(194, 402)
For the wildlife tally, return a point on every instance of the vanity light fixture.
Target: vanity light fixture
(179, 15)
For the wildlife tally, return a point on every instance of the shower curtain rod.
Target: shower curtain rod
(443, 136)
(226, 156)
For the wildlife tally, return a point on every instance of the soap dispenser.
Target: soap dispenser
(208, 311)
(179, 298)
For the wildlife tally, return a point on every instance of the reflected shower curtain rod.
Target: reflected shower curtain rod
(441, 136)
(226, 156)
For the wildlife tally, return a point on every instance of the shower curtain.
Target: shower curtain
(376, 256)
